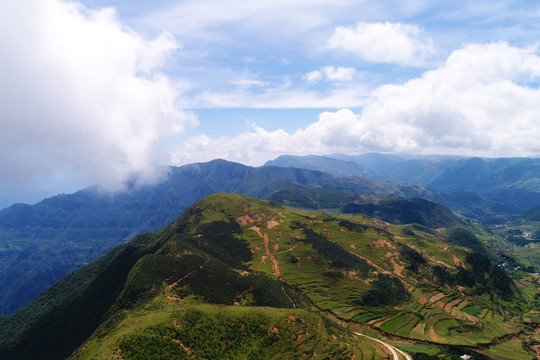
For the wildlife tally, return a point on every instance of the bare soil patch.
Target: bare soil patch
(271, 224)
(383, 242)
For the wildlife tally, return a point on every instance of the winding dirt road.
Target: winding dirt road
(394, 350)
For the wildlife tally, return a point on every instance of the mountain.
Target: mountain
(533, 214)
(326, 164)
(520, 238)
(485, 189)
(41, 243)
(404, 211)
(393, 209)
(266, 281)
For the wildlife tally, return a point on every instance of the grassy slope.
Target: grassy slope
(279, 241)
(525, 252)
(233, 250)
(188, 328)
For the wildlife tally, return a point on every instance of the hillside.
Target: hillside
(41, 243)
(484, 189)
(275, 270)
(327, 164)
(520, 238)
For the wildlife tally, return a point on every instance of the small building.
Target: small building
(465, 357)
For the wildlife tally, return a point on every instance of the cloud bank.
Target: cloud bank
(82, 95)
(484, 100)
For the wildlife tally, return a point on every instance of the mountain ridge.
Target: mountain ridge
(237, 251)
(506, 187)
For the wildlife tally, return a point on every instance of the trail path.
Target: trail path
(274, 261)
(392, 349)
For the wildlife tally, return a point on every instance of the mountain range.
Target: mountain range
(489, 190)
(41, 243)
(237, 277)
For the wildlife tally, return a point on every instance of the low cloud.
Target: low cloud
(484, 101)
(82, 98)
(377, 42)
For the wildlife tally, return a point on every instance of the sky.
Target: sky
(109, 91)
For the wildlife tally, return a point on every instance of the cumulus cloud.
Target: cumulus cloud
(377, 42)
(81, 95)
(483, 101)
(331, 73)
(333, 130)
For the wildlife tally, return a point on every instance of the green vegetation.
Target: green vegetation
(465, 238)
(188, 329)
(339, 257)
(255, 277)
(519, 241)
(483, 277)
(405, 211)
(533, 214)
(451, 353)
(413, 258)
(193, 333)
(385, 290)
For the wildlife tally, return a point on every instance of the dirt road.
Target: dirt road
(395, 351)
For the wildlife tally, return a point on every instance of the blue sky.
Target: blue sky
(101, 91)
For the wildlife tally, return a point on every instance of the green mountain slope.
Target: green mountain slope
(404, 211)
(303, 268)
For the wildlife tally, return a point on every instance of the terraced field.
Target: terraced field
(449, 317)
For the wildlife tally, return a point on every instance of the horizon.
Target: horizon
(100, 91)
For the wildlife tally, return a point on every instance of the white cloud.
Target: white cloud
(394, 43)
(483, 101)
(331, 73)
(333, 130)
(81, 95)
(314, 76)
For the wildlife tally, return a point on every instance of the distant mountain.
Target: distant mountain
(393, 209)
(418, 170)
(41, 243)
(533, 214)
(236, 277)
(485, 189)
(326, 164)
(404, 211)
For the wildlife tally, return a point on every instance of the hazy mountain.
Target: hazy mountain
(484, 189)
(326, 164)
(154, 295)
(41, 243)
